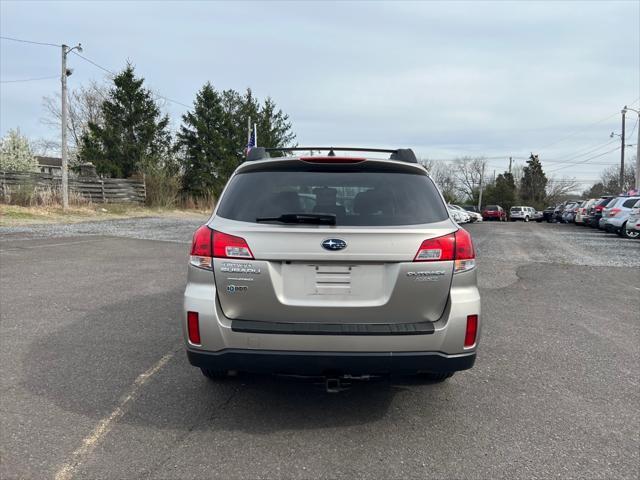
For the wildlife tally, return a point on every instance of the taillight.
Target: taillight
(230, 246)
(193, 327)
(456, 246)
(471, 332)
(201, 248)
(614, 211)
(437, 249)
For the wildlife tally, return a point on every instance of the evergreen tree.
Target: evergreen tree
(133, 136)
(274, 126)
(534, 183)
(503, 191)
(210, 155)
(203, 145)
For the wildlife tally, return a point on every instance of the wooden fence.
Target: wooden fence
(99, 190)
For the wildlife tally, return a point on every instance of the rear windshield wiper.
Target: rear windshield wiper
(312, 218)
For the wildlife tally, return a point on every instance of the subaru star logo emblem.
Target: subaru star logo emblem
(334, 244)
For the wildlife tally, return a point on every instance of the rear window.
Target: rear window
(358, 197)
(491, 208)
(516, 209)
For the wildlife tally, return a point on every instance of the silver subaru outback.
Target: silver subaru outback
(332, 266)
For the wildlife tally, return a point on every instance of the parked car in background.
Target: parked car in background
(557, 213)
(521, 213)
(475, 217)
(632, 227)
(459, 216)
(472, 208)
(604, 213)
(494, 212)
(595, 212)
(583, 211)
(547, 214)
(619, 213)
(569, 212)
(538, 216)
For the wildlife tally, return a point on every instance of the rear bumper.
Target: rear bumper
(329, 363)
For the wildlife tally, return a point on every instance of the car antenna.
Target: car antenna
(331, 153)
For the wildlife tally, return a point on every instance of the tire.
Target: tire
(526, 219)
(214, 374)
(436, 377)
(626, 234)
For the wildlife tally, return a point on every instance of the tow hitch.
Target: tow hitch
(340, 384)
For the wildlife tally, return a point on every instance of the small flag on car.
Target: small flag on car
(253, 140)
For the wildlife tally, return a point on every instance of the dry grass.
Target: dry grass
(14, 215)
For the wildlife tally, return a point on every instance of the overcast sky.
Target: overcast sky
(446, 78)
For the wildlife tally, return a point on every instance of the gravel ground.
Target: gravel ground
(152, 228)
(95, 384)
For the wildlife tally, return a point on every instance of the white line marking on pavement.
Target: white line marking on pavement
(106, 424)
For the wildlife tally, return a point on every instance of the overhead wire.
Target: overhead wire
(13, 39)
(110, 72)
(29, 79)
(584, 161)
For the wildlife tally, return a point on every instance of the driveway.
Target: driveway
(95, 383)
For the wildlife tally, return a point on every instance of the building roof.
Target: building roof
(49, 161)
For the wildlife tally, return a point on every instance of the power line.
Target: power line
(30, 41)
(94, 63)
(591, 151)
(29, 79)
(114, 74)
(586, 160)
(574, 133)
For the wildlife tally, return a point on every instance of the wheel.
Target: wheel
(627, 233)
(214, 374)
(436, 377)
(526, 219)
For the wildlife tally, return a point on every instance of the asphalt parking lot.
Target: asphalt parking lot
(95, 383)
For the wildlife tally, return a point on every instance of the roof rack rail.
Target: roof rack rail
(400, 154)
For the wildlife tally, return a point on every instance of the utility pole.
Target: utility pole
(510, 160)
(637, 185)
(481, 185)
(64, 113)
(63, 116)
(624, 111)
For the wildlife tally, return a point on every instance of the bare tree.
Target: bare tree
(85, 105)
(467, 171)
(427, 164)
(517, 170)
(442, 174)
(610, 178)
(557, 189)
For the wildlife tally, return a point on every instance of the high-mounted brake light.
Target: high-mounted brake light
(230, 246)
(332, 159)
(456, 246)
